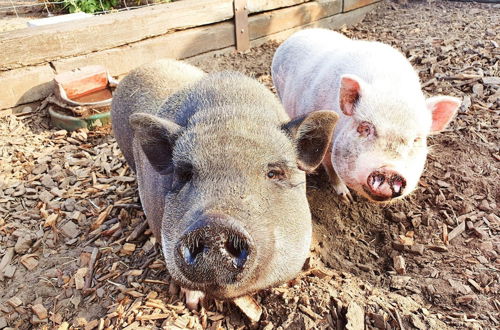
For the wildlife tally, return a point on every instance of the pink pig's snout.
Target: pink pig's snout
(384, 184)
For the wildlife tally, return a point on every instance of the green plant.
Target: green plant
(89, 6)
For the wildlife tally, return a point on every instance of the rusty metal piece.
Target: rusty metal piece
(241, 25)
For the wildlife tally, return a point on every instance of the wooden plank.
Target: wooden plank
(25, 85)
(190, 44)
(38, 45)
(177, 45)
(288, 18)
(257, 6)
(241, 25)
(355, 4)
(333, 22)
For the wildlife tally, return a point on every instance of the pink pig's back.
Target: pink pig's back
(307, 67)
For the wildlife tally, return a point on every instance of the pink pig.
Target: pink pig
(379, 145)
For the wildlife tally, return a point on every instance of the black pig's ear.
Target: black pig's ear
(157, 138)
(312, 134)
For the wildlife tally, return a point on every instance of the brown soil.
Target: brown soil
(66, 195)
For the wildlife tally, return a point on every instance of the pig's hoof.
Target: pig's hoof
(343, 192)
(193, 298)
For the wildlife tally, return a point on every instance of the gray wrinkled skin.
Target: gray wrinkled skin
(202, 146)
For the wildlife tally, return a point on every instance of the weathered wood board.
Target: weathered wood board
(355, 4)
(188, 43)
(30, 58)
(38, 45)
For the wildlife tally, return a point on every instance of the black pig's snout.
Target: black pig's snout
(215, 250)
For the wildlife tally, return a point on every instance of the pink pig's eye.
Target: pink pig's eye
(365, 129)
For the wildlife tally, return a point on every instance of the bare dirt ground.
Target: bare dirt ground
(72, 253)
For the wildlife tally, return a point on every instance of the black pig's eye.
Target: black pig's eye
(276, 174)
(417, 140)
(365, 129)
(271, 174)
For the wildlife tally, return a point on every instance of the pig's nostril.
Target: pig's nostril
(398, 184)
(377, 180)
(237, 250)
(191, 252)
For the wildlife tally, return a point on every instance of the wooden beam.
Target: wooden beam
(258, 6)
(192, 42)
(25, 85)
(241, 25)
(38, 45)
(196, 42)
(177, 45)
(355, 4)
(332, 22)
(287, 18)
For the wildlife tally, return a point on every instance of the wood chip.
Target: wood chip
(6, 259)
(399, 282)
(479, 232)
(63, 326)
(29, 261)
(40, 311)
(466, 299)
(475, 285)
(399, 264)
(417, 249)
(51, 220)
(438, 248)
(457, 231)
(321, 272)
(138, 231)
(90, 274)
(445, 234)
(70, 229)
(309, 312)
(249, 307)
(101, 218)
(80, 278)
(9, 271)
(128, 248)
(152, 317)
(15, 301)
(355, 317)
(405, 240)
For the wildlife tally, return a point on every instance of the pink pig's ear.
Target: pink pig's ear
(350, 91)
(443, 110)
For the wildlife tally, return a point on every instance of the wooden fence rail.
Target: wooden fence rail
(122, 41)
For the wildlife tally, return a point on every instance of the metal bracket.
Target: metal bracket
(241, 25)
